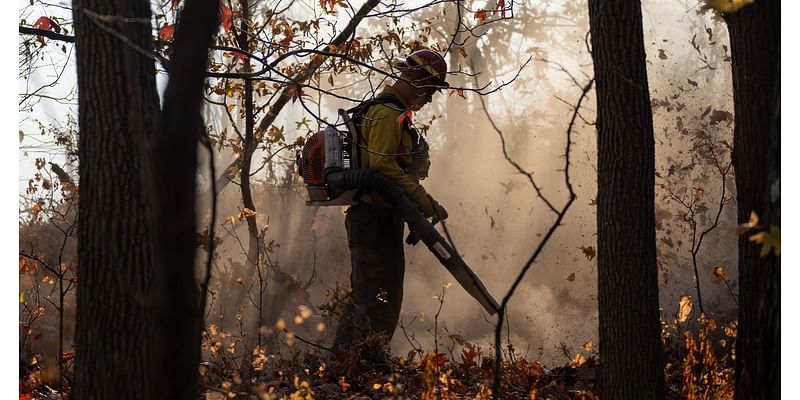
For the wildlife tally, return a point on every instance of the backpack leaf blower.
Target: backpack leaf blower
(329, 167)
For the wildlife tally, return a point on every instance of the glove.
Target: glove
(430, 208)
(412, 238)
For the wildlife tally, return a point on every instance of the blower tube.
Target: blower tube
(342, 180)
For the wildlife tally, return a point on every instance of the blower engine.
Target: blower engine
(324, 152)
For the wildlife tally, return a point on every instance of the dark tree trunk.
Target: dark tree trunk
(755, 55)
(631, 354)
(179, 311)
(117, 111)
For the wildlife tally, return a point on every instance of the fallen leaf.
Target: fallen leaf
(685, 309)
(769, 240)
(343, 385)
(589, 252)
(741, 229)
(571, 277)
(719, 273)
(699, 192)
(718, 116)
(588, 346)
(578, 361)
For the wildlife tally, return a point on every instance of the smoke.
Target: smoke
(496, 217)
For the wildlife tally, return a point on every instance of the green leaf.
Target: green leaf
(769, 240)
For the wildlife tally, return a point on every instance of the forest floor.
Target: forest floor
(465, 374)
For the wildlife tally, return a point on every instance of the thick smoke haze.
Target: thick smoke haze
(538, 61)
(496, 218)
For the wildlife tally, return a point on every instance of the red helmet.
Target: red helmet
(431, 62)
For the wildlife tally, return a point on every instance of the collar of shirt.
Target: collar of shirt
(393, 92)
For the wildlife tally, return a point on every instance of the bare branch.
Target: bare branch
(560, 216)
(46, 33)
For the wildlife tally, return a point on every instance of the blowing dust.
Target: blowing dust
(497, 218)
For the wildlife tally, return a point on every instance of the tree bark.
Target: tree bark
(179, 312)
(117, 111)
(631, 354)
(755, 61)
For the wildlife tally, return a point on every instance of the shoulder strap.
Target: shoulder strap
(384, 98)
(361, 109)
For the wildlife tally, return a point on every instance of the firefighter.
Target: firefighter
(391, 146)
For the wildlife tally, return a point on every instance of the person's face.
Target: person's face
(422, 90)
(423, 94)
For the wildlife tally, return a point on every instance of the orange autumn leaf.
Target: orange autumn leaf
(47, 24)
(719, 273)
(166, 32)
(685, 308)
(459, 92)
(480, 15)
(285, 42)
(501, 5)
(225, 17)
(295, 92)
(327, 5)
(403, 117)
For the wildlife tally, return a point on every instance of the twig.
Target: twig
(560, 216)
(309, 342)
(509, 159)
(691, 218)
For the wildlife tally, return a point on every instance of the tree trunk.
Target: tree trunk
(755, 60)
(179, 311)
(631, 354)
(117, 111)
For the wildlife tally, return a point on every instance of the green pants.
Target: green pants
(375, 237)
